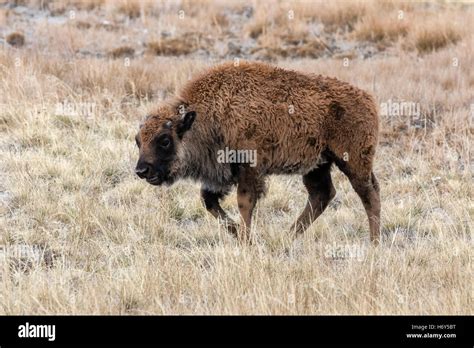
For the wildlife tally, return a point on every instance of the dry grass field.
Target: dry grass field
(81, 234)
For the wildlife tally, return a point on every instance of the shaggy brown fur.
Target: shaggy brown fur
(297, 124)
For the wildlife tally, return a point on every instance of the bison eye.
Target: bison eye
(137, 141)
(165, 143)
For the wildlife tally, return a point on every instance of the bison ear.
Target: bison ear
(185, 123)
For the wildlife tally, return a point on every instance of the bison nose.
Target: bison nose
(142, 169)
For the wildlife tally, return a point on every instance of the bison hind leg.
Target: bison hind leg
(369, 192)
(365, 184)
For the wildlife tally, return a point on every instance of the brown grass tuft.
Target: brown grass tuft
(139, 83)
(435, 35)
(376, 28)
(177, 46)
(170, 47)
(344, 15)
(309, 49)
(16, 39)
(220, 19)
(121, 52)
(130, 8)
(80, 24)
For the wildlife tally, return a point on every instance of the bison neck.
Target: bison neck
(200, 160)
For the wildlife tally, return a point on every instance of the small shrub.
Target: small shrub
(178, 46)
(434, 36)
(123, 51)
(378, 29)
(16, 39)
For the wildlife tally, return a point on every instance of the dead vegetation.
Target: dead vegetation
(173, 46)
(267, 30)
(379, 29)
(123, 51)
(16, 39)
(435, 35)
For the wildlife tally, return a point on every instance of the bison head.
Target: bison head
(158, 141)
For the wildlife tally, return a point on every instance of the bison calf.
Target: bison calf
(293, 123)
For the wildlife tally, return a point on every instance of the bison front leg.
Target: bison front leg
(249, 189)
(211, 202)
